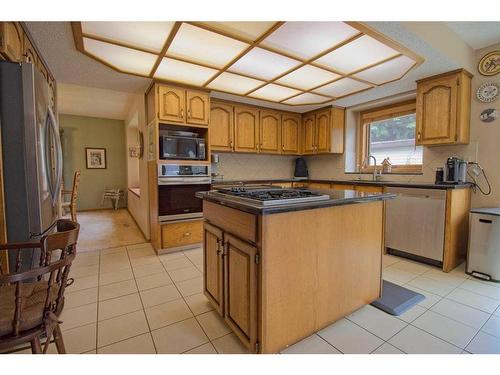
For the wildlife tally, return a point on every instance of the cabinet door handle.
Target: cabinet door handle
(419, 136)
(187, 234)
(189, 113)
(182, 113)
(283, 147)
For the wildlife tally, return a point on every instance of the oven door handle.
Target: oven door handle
(184, 181)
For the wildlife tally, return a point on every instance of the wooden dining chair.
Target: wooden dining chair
(32, 299)
(71, 204)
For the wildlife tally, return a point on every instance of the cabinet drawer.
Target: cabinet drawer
(182, 234)
(238, 223)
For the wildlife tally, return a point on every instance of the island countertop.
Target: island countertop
(337, 198)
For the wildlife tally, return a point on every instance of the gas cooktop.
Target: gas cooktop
(271, 196)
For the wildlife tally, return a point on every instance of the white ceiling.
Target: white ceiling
(477, 34)
(93, 102)
(69, 66)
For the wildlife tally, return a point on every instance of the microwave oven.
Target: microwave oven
(182, 145)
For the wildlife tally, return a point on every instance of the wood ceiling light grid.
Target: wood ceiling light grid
(293, 63)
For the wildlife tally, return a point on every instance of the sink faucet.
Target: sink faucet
(376, 175)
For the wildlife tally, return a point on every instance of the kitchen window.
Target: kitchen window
(389, 132)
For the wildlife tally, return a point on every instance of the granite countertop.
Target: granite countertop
(418, 185)
(337, 198)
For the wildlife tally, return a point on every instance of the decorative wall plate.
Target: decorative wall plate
(488, 115)
(488, 92)
(489, 65)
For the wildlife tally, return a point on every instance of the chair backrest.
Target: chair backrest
(29, 298)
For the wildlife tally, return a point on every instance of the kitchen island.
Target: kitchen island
(278, 273)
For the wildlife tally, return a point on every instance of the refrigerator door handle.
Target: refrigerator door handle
(56, 188)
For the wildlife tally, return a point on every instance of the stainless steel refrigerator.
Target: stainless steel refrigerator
(31, 152)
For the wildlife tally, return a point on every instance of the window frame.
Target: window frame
(379, 114)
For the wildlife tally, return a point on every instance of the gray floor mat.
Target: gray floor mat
(395, 299)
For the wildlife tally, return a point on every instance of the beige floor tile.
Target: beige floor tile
(120, 328)
(410, 266)
(190, 287)
(349, 338)
(207, 348)
(157, 296)
(413, 313)
(81, 339)
(81, 283)
(142, 261)
(141, 245)
(492, 326)
(167, 313)
(81, 260)
(483, 289)
(386, 348)
(484, 343)
(377, 322)
(196, 258)
(139, 253)
(198, 304)
(213, 325)
(78, 316)
(445, 328)
(153, 281)
(114, 250)
(311, 345)
(142, 344)
(390, 273)
(115, 266)
(387, 260)
(117, 289)
(415, 341)
(148, 269)
(430, 298)
(440, 288)
(229, 344)
(461, 313)
(171, 256)
(179, 337)
(80, 298)
(114, 257)
(115, 277)
(84, 270)
(119, 306)
(184, 274)
(176, 264)
(474, 300)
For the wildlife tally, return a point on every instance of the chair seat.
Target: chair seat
(65, 204)
(32, 305)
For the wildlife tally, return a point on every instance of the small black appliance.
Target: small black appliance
(301, 168)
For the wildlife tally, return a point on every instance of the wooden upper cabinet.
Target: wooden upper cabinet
(11, 41)
(29, 54)
(443, 109)
(241, 281)
(290, 134)
(270, 132)
(198, 110)
(246, 129)
(322, 133)
(221, 126)
(308, 134)
(171, 104)
(213, 282)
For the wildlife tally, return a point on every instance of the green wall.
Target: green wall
(80, 132)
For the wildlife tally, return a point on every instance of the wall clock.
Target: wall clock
(488, 92)
(489, 65)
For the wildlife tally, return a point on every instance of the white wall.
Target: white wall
(137, 168)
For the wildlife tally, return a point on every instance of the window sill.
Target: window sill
(389, 174)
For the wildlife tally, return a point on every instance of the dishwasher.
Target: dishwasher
(414, 224)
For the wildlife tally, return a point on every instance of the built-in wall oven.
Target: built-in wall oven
(177, 186)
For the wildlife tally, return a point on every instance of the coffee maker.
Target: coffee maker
(455, 170)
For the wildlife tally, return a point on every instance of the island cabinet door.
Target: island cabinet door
(213, 266)
(240, 307)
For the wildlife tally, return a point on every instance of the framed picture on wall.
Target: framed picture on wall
(96, 158)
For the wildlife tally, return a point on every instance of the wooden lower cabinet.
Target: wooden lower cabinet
(369, 189)
(180, 234)
(213, 283)
(240, 276)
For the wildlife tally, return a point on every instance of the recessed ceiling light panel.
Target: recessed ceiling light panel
(263, 64)
(388, 71)
(125, 59)
(357, 54)
(205, 47)
(234, 83)
(274, 92)
(307, 39)
(144, 35)
(179, 71)
(306, 98)
(307, 77)
(245, 30)
(342, 87)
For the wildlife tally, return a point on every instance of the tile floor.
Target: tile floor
(129, 300)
